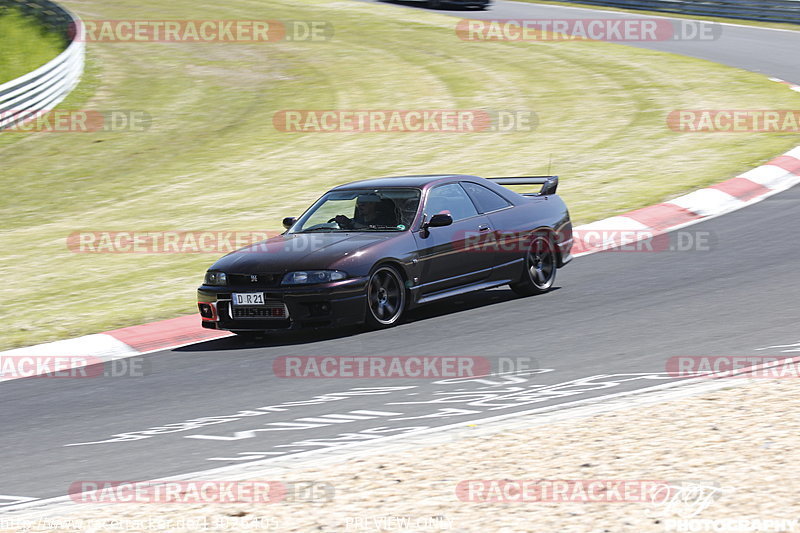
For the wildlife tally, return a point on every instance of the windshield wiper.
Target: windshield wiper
(311, 230)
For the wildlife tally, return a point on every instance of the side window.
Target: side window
(450, 199)
(485, 199)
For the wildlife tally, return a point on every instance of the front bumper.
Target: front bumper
(315, 306)
(468, 3)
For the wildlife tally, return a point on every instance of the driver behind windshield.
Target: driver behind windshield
(370, 211)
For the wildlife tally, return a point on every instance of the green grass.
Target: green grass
(212, 160)
(644, 12)
(25, 44)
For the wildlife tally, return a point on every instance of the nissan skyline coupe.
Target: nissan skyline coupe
(368, 251)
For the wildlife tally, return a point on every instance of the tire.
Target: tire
(540, 266)
(386, 298)
(434, 4)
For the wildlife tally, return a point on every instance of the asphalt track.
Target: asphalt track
(615, 319)
(770, 52)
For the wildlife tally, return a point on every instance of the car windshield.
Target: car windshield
(361, 210)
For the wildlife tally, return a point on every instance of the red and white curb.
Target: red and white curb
(112, 345)
(791, 85)
(771, 178)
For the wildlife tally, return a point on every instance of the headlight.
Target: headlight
(216, 278)
(312, 276)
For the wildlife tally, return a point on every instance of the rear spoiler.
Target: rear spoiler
(549, 183)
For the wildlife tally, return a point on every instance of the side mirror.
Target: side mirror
(439, 220)
(288, 222)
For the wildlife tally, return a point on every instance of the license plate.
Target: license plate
(248, 298)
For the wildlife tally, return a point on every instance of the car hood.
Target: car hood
(297, 251)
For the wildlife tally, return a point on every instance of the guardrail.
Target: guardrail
(42, 89)
(766, 10)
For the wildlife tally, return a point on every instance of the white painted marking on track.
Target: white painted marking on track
(246, 456)
(794, 347)
(297, 424)
(14, 500)
(308, 458)
(341, 419)
(375, 413)
(326, 420)
(348, 417)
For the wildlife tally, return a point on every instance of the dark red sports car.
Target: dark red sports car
(368, 251)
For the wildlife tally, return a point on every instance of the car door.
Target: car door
(447, 255)
(504, 239)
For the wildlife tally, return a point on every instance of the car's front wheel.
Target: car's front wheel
(386, 297)
(539, 271)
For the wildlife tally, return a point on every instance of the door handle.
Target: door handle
(483, 227)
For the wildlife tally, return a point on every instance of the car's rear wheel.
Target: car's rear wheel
(539, 272)
(386, 297)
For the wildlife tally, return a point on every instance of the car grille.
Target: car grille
(254, 280)
(259, 312)
(272, 309)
